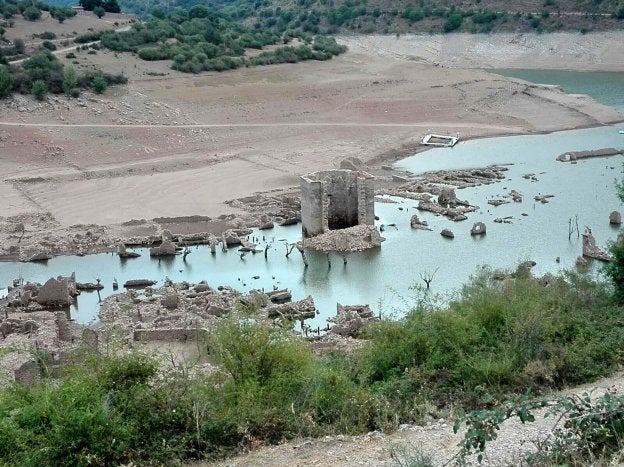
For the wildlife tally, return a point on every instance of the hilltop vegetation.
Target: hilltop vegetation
(374, 16)
(198, 40)
(194, 40)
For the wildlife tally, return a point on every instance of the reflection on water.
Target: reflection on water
(383, 277)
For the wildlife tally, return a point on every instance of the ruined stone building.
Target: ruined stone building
(336, 199)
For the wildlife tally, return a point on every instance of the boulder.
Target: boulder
(416, 223)
(280, 296)
(170, 301)
(350, 319)
(615, 218)
(166, 248)
(139, 283)
(123, 253)
(447, 233)
(478, 228)
(447, 197)
(55, 293)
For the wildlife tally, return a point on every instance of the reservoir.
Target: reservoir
(384, 278)
(605, 87)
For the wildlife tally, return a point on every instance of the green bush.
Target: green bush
(453, 22)
(48, 45)
(100, 84)
(499, 336)
(31, 13)
(88, 37)
(6, 81)
(39, 89)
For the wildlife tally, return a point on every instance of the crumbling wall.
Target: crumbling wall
(336, 199)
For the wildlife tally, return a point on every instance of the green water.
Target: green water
(605, 87)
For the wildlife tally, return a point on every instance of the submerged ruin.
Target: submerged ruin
(336, 199)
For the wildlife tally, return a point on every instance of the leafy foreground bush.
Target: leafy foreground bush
(497, 338)
(109, 410)
(588, 430)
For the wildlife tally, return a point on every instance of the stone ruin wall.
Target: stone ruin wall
(336, 199)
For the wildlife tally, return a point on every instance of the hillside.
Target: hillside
(397, 17)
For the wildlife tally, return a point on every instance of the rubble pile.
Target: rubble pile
(357, 238)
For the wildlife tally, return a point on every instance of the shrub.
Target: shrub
(31, 13)
(99, 11)
(39, 89)
(48, 45)
(453, 22)
(6, 81)
(100, 84)
(70, 80)
(88, 37)
(498, 336)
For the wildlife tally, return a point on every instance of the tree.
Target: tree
(89, 5)
(32, 13)
(100, 84)
(111, 6)
(19, 46)
(39, 89)
(99, 11)
(70, 80)
(6, 81)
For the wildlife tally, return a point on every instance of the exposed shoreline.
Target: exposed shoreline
(226, 149)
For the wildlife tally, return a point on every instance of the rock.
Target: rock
(215, 310)
(170, 301)
(590, 250)
(280, 296)
(88, 286)
(166, 248)
(230, 238)
(41, 256)
(357, 238)
(350, 319)
(29, 326)
(447, 197)
(139, 283)
(416, 223)
(6, 329)
(582, 262)
(289, 221)
(55, 293)
(266, 225)
(478, 228)
(447, 233)
(497, 202)
(615, 218)
(123, 253)
(299, 310)
(62, 326)
(202, 288)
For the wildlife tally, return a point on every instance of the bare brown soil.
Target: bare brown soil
(185, 145)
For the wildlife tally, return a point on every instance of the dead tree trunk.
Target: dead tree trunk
(427, 277)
